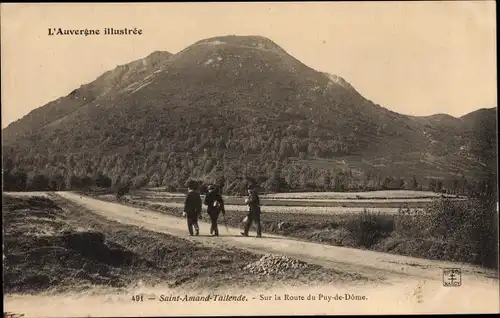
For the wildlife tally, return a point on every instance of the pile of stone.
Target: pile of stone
(274, 264)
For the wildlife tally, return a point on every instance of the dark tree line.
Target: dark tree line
(22, 181)
(231, 182)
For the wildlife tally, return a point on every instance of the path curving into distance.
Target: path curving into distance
(364, 262)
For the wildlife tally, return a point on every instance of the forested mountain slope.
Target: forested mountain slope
(236, 106)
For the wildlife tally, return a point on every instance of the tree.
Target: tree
(40, 183)
(250, 181)
(276, 183)
(203, 188)
(6, 180)
(122, 189)
(400, 184)
(432, 185)
(386, 184)
(453, 186)
(21, 180)
(155, 180)
(462, 185)
(413, 183)
(87, 182)
(339, 182)
(16, 181)
(439, 185)
(209, 165)
(193, 184)
(57, 182)
(73, 182)
(103, 181)
(220, 182)
(327, 179)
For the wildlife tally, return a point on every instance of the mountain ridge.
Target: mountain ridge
(203, 102)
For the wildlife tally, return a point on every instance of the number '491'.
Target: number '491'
(137, 298)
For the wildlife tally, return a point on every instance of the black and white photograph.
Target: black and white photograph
(239, 158)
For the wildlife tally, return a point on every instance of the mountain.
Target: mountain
(235, 106)
(123, 77)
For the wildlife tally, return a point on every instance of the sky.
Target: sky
(416, 58)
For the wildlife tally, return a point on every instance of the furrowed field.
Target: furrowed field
(412, 223)
(387, 202)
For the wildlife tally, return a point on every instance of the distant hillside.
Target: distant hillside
(235, 106)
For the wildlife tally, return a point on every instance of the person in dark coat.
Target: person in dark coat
(253, 203)
(192, 209)
(215, 205)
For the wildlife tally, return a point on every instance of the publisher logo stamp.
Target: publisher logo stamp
(452, 277)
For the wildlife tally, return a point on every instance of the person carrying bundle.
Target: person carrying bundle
(253, 203)
(215, 205)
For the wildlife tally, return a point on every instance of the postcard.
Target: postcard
(196, 159)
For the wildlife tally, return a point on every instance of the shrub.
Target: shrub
(14, 181)
(103, 181)
(122, 189)
(39, 183)
(467, 228)
(139, 181)
(368, 228)
(411, 223)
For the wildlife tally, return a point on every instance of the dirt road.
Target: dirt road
(348, 259)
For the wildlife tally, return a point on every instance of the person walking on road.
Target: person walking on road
(215, 206)
(253, 203)
(192, 209)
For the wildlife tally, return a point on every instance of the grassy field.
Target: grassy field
(284, 209)
(385, 194)
(327, 202)
(372, 203)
